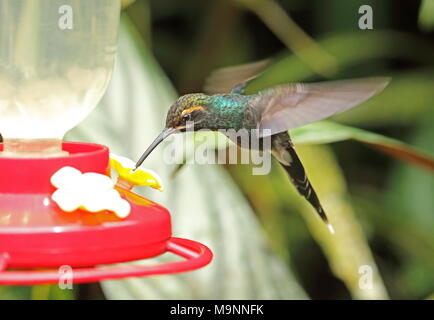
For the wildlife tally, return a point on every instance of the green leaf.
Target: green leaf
(409, 95)
(350, 49)
(328, 132)
(406, 100)
(126, 3)
(324, 132)
(347, 250)
(15, 292)
(276, 200)
(426, 15)
(410, 189)
(37, 292)
(402, 230)
(295, 39)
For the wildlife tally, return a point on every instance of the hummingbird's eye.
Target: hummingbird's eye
(186, 117)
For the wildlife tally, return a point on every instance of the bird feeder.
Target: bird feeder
(56, 59)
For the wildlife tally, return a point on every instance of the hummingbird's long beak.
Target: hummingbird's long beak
(163, 135)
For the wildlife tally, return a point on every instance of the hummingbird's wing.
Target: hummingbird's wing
(289, 106)
(234, 79)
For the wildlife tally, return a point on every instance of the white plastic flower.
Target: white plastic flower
(89, 191)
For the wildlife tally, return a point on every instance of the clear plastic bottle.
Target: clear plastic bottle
(56, 59)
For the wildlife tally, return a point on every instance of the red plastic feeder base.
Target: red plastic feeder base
(36, 234)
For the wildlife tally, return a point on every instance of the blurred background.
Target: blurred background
(372, 166)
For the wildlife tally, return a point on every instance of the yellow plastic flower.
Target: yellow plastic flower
(140, 177)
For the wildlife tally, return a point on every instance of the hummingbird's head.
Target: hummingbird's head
(189, 111)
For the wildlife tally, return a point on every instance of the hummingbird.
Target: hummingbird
(273, 111)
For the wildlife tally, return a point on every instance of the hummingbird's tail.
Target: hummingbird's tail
(284, 152)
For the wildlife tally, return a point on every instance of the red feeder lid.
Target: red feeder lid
(35, 233)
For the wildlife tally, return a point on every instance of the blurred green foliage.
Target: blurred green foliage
(391, 201)
(426, 16)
